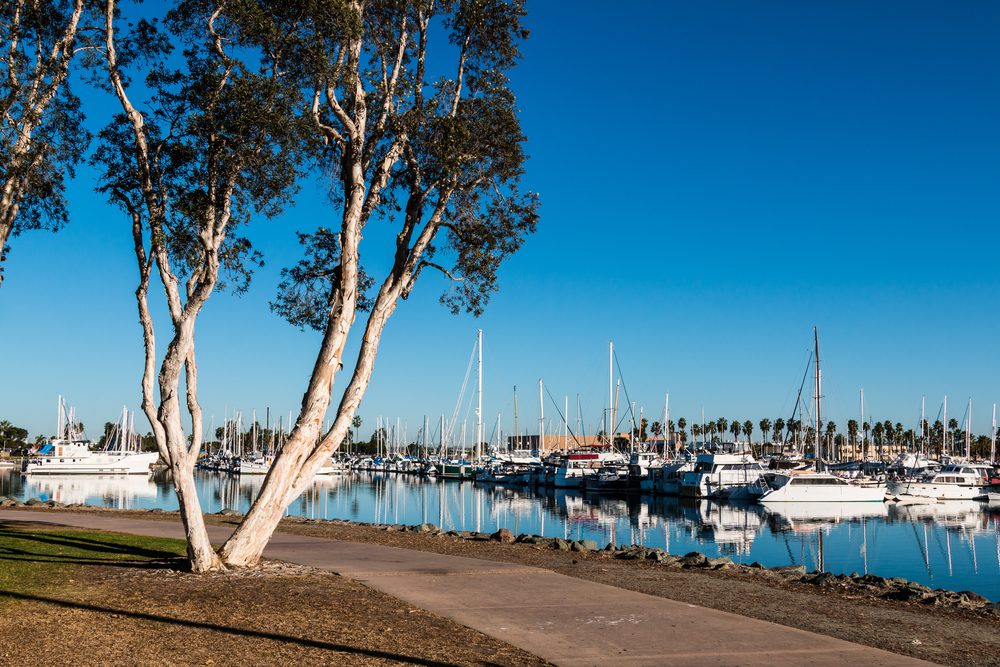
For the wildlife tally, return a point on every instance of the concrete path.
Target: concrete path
(565, 620)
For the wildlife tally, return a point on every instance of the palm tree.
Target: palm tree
(831, 428)
(748, 429)
(721, 424)
(878, 432)
(682, 425)
(852, 434)
(765, 428)
(779, 426)
(696, 431)
(712, 429)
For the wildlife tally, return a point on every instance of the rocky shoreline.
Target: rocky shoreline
(868, 585)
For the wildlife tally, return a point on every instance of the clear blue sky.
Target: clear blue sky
(716, 178)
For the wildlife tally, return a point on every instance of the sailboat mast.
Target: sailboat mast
(993, 438)
(944, 429)
(479, 408)
(923, 425)
(863, 457)
(611, 392)
(968, 433)
(517, 433)
(819, 420)
(541, 418)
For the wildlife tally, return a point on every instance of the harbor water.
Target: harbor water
(952, 544)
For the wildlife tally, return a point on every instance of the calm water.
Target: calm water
(953, 545)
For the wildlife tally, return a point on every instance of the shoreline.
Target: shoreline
(892, 614)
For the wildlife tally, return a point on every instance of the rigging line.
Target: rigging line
(798, 399)
(461, 394)
(628, 400)
(565, 420)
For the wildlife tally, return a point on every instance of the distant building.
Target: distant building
(559, 442)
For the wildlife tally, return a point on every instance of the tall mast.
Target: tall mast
(819, 420)
(611, 392)
(566, 423)
(517, 433)
(666, 423)
(863, 424)
(944, 428)
(479, 408)
(923, 423)
(968, 433)
(541, 418)
(441, 438)
(993, 438)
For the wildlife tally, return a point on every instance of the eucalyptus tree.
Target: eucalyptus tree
(41, 134)
(209, 140)
(421, 130)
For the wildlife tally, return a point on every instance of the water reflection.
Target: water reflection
(949, 544)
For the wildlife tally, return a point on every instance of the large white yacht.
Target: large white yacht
(818, 487)
(956, 481)
(71, 453)
(733, 476)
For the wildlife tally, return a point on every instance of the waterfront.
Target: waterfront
(953, 545)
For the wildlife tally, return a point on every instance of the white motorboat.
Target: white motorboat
(818, 487)
(734, 476)
(953, 482)
(71, 453)
(576, 465)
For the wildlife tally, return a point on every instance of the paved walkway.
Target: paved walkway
(565, 620)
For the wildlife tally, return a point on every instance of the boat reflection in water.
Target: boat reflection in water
(117, 491)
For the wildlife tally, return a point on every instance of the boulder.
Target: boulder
(426, 528)
(560, 544)
(788, 569)
(821, 579)
(694, 559)
(503, 535)
(718, 563)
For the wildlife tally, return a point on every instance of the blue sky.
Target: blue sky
(716, 178)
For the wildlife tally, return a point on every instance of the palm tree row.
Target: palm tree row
(871, 437)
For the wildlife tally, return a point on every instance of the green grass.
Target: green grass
(36, 559)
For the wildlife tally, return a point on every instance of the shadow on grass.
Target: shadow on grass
(239, 632)
(83, 543)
